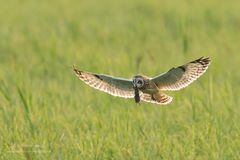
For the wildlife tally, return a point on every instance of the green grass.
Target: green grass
(47, 113)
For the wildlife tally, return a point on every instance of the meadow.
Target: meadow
(47, 113)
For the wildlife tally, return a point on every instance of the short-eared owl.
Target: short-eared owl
(145, 88)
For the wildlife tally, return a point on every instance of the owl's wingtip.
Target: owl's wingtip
(207, 60)
(202, 60)
(73, 66)
(75, 69)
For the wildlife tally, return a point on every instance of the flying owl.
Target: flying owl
(146, 88)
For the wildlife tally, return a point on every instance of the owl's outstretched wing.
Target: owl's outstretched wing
(112, 85)
(180, 77)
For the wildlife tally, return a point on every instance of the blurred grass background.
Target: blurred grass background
(47, 113)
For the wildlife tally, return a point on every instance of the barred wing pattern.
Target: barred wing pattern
(112, 85)
(182, 76)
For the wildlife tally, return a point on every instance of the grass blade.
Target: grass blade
(26, 110)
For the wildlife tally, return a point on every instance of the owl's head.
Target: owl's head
(138, 81)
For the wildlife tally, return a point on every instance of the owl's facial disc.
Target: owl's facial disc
(138, 82)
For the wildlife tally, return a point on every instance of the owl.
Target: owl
(144, 88)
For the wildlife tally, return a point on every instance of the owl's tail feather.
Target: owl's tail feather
(161, 98)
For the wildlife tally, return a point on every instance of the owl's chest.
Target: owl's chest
(149, 87)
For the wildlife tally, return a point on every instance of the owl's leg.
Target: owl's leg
(136, 95)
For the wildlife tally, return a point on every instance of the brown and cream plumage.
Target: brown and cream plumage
(145, 88)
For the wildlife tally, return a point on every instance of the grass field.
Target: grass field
(47, 113)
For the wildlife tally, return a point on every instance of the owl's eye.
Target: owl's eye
(140, 81)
